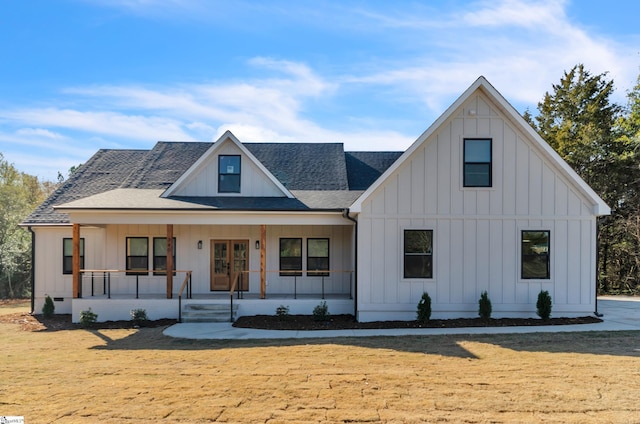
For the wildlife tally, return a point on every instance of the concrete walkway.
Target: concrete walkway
(619, 314)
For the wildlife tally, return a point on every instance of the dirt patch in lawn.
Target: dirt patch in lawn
(58, 322)
(344, 322)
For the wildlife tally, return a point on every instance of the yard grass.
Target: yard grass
(141, 376)
(14, 306)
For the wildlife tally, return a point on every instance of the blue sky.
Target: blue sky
(77, 76)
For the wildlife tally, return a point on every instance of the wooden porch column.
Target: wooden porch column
(169, 261)
(75, 264)
(263, 261)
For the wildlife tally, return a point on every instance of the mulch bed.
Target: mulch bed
(342, 322)
(28, 322)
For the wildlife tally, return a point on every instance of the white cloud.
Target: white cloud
(39, 133)
(41, 154)
(547, 15)
(275, 103)
(522, 47)
(108, 123)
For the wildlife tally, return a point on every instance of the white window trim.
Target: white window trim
(461, 140)
(401, 252)
(519, 232)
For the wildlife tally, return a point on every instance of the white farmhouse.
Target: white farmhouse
(189, 230)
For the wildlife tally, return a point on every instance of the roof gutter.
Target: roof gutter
(345, 214)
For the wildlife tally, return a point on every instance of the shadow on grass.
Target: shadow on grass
(620, 343)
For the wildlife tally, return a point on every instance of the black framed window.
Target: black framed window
(229, 174)
(67, 255)
(477, 162)
(160, 255)
(290, 256)
(137, 255)
(535, 255)
(418, 253)
(318, 257)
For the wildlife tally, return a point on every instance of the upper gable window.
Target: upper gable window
(477, 162)
(229, 174)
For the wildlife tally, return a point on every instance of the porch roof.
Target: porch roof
(321, 176)
(150, 199)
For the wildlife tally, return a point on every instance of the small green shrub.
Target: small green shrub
(424, 308)
(49, 308)
(484, 306)
(139, 317)
(88, 317)
(543, 305)
(282, 311)
(321, 312)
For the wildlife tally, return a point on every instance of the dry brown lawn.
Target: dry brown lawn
(141, 376)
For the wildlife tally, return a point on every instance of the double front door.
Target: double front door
(228, 258)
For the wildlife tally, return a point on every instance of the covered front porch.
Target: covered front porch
(144, 292)
(295, 260)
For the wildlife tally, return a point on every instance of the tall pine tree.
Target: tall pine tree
(577, 119)
(599, 140)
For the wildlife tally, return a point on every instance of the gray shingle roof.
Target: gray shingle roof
(363, 168)
(165, 163)
(304, 166)
(320, 175)
(105, 171)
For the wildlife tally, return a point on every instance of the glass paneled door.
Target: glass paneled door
(228, 258)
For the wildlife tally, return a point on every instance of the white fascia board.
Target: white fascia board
(43, 225)
(101, 218)
(228, 135)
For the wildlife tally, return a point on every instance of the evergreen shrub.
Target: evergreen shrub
(49, 308)
(543, 305)
(424, 308)
(484, 306)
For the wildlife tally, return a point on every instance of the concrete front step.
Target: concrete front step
(201, 312)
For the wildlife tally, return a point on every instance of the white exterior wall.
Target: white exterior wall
(49, 279)
(105, 248)
(253, 182)
(188, 257)
(476, 231)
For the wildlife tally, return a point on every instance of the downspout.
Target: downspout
(596, 313)
(345, 214)
(33, 270)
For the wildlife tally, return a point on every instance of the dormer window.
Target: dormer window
(229, 174)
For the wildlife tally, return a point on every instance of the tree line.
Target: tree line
(598, 138)
(20, 194)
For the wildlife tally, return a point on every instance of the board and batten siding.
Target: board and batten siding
(476, 231)
(49, 279)
(253, 182)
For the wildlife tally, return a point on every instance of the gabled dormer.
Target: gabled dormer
(227, 168)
